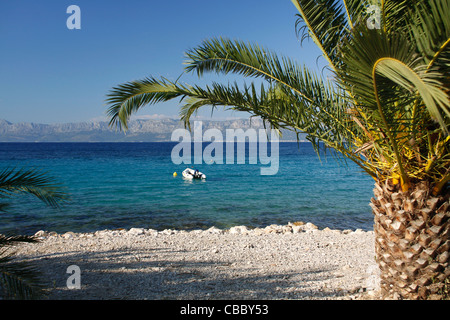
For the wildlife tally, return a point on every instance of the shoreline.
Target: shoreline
(294, 262)
(291, 227)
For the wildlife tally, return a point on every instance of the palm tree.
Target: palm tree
(386, 108)
(19, 279)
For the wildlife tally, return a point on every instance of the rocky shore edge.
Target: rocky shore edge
(291, 227)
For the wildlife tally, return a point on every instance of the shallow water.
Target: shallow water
(124, 185)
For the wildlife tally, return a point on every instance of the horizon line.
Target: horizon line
(139, 118)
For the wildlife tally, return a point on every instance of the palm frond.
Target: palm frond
(393, 12)
(395, 92)
(325, 22)
(426, 84)
(16, 239)
(33, 182)
(429, 27)
(370, 51)
(249, 60)
(18, 280)
(128, 98)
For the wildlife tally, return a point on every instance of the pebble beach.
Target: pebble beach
(289, 262)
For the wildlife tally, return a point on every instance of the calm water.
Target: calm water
(124, 185)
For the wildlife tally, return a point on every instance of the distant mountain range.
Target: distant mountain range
(155, 130)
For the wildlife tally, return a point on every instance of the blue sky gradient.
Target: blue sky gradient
(50, 74)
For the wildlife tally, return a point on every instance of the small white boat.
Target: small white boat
(193, 174)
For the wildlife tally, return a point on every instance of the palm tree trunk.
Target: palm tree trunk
(412, 241)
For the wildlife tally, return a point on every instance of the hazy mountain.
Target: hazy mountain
(139, 130)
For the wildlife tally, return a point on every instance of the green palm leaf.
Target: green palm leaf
(371, 52)
(127, 98)
(325, 21)
(33, 182)
(429, 27)
(19, 279)
(427, 85)
(249, 60)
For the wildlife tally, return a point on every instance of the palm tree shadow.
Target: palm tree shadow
(135, 275)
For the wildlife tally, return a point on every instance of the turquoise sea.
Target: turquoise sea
(124, 185)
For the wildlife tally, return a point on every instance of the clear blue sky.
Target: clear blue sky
(50, 74)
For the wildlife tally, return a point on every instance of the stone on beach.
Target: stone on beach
(214, 230)
(69, 235)
(239, 230)
(136, 231)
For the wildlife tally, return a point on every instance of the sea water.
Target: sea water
(125, 185)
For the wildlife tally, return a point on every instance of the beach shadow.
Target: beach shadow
(137, 275)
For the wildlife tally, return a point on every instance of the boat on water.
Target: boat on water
(193, 174)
